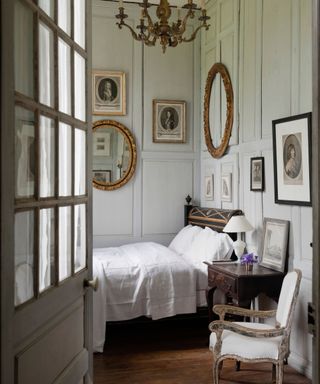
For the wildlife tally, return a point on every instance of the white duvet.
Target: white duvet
(141, 279)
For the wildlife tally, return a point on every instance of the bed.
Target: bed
(149, 279)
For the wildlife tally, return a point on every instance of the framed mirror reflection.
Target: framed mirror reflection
(114, 155)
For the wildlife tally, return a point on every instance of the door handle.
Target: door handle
(94, 283)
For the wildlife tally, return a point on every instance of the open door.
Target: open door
(45, 192)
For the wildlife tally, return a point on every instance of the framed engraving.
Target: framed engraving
(109, 93)
(169, 121)
(292, 159)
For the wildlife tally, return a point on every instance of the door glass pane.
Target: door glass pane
(64, 242)
(79, 237)
(47, 6)
(46, 157)
(46, 249)
(64, 15)
(46, 73)
(79, 87)
(65, 160)
(23, 49)
(79, 162)
(64, 77)
(24, 256)
(24, 153)
(79, 22)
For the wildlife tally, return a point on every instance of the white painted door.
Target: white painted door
(45, 192)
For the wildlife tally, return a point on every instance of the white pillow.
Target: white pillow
(183, 240)
(209, 246)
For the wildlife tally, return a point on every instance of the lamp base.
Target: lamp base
(239, 247)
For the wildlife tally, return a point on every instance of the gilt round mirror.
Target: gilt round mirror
(114, 155)
(219, 88)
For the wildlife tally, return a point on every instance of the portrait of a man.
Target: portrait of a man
(108, 90)
(169, 118)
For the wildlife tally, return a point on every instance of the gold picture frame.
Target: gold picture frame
(109, 93)
(169, 121)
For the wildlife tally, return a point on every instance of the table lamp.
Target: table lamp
(238, 224)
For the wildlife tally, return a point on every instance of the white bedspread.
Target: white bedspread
(142, 279)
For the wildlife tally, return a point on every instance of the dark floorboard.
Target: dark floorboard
(171, 352)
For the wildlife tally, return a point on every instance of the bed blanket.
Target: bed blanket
(140, 279)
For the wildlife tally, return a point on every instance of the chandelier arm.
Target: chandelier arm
(192, 37)
(134, 34)
(151, 28)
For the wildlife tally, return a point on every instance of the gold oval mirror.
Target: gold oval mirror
(218, 150)
(114, 155)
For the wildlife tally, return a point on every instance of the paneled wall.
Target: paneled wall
(150, 206)
(271, 75)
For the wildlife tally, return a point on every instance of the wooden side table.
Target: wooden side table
(240, 285)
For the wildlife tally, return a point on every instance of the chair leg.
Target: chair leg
(279, 372)
(237, 365)
(216, 372)
(273, 373)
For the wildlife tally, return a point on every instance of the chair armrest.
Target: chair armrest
(220, 325)
(221, 310)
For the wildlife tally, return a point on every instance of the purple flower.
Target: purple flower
(248, 258)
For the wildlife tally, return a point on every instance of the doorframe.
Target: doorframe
(315, 184)
(7, 199)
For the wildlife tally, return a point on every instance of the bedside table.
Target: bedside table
(241, 286)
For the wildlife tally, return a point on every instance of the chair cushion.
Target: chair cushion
(245, 346)
(286, 297)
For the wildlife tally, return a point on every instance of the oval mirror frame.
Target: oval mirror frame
(110, 186)
(220, 68)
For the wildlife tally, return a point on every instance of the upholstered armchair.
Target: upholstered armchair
(256, 341)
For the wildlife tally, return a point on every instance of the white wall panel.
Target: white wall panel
(276, 65)
(168, 76)
(165, 186)
(250, 71)
(150, 74)
(113, 211)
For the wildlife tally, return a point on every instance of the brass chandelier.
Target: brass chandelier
(169, 34)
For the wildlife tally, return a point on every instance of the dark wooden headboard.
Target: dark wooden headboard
(214, 218)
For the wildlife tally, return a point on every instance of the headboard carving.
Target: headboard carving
(213, 218)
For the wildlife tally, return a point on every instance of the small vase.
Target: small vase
(249, 267)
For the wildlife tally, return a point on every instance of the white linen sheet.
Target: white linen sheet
(142, 279)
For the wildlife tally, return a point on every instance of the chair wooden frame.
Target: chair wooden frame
(220, 325)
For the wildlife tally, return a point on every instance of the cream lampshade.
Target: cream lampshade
(238, 224)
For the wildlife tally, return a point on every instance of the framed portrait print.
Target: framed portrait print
(101, 176)
(274, 244)
(169, 121)
(208, 185)
(292, 159)
(257, 174)
(109, 93)
(226, 187)
(101, 144)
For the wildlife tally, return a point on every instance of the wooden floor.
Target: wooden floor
(171, 353)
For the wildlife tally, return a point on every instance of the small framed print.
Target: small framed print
(169, 121)
(208, 185)
(257, 174)
(101, 144)
(109, 93)
(102, 176)
(292, 159)
(226, 187)
(274, 245)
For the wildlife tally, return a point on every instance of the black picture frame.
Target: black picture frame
(292, 159)
(257, 174)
